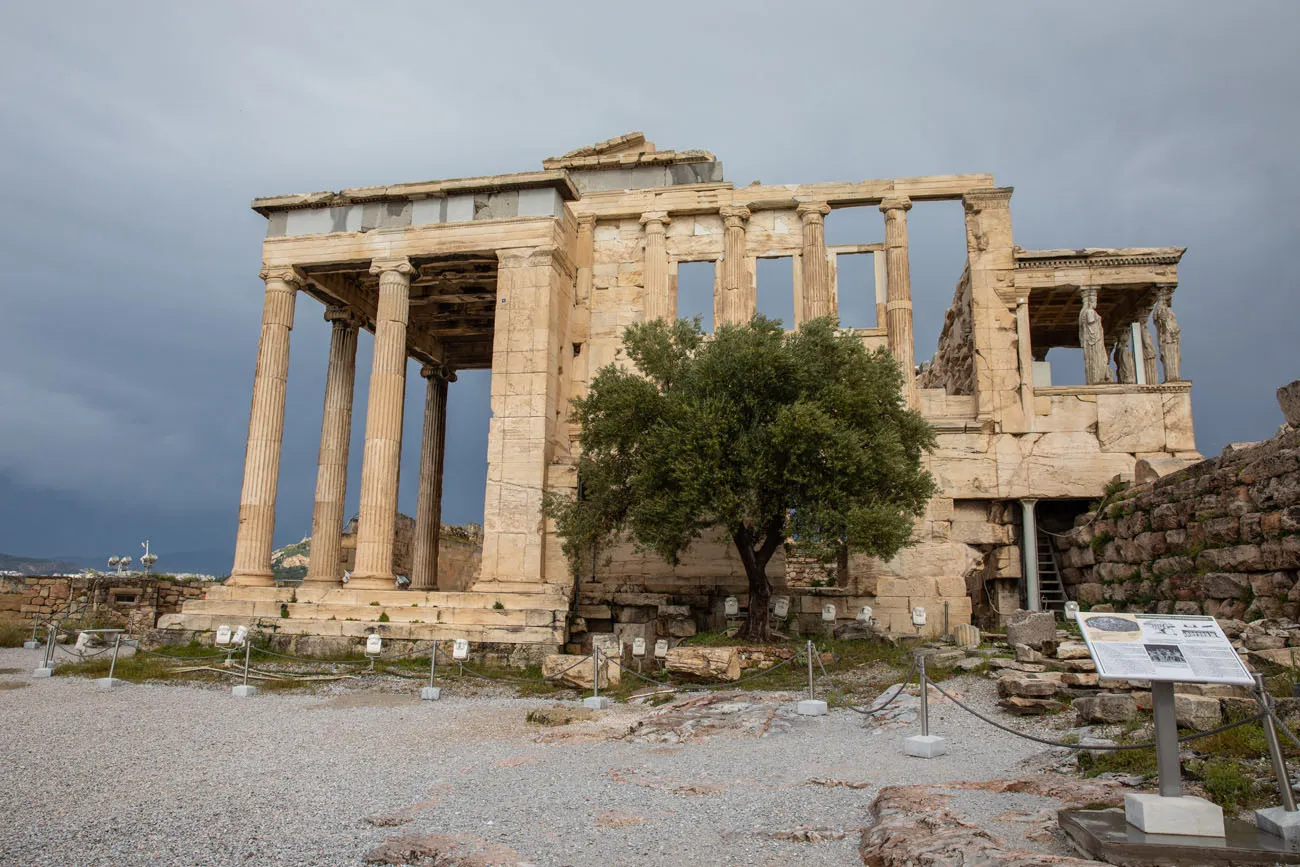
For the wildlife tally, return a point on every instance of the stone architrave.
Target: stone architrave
(656, 266)
(335, 437)
(734, 306)
(1170, 335)
(428, 513)
(817, 299)
(253, 542)
(1096, 360)
(381, 460)
(898, 300)
(1125, 364)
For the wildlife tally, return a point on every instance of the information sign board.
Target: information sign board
(1161, 647)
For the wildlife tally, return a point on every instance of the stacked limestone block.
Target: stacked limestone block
(1221, 537)
(134, 600)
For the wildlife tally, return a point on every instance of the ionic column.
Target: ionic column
(898, 298)
(381, 460)
(428, 514)
(335, 436)
(816, 275)
(656, 266)
(253, 541)
(733, 306)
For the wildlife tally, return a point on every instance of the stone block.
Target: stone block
(925, 746)
(966, 635)
(1106, 707)
(721, 663)
(1031, 628)
(430, 693)
(1187, 815)
(108, 682)
(1288, 399)
(1196, 712)
(1027, 685)
(596, 702)
(811, 707)
(243, 690)
(1072, 650)
(1276, 820)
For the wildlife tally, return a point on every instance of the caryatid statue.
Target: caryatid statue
(1168, 332)
(1096, 359)
(1125, 363)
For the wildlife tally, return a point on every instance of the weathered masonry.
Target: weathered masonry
(535, 275)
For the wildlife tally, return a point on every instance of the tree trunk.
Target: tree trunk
(758, 622)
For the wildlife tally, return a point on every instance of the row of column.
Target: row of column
(736, 303)
(1133, 338)
(381, 458)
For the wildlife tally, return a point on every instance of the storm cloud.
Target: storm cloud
(135, 135)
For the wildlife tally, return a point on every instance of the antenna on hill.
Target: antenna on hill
(149, 557)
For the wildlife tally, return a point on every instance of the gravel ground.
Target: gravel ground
(178, 775)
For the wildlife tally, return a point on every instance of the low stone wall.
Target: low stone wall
(1221, 537)
(133, 601)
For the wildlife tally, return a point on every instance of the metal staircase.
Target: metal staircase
(1051, 592)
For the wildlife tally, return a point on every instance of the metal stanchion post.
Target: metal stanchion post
(595, 702)
(431, 692)
(924, 745)
(1283, 821)
(31, 643)
(46, 668)
(110, 682)
(244, 690)
(810, 706)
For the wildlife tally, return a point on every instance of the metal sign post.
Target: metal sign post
(46, 668)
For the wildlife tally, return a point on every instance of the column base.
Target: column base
(251, 579)
(372, 582)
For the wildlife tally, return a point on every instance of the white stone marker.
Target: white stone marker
(781, 607)
(731, 606)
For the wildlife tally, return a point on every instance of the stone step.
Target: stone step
(370, 613)
(359, 629)
(537, 596)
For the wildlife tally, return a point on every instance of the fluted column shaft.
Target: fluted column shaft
(1150, 371)
(735, 305)
(817, 299)
(381, 461)
(428, 514)
(253, 541)
(335, 438)
(898, 297)
(656, 266)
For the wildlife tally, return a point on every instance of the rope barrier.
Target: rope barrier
(870, 711)
(1116, 747)
(1277, 721)
(179, 658)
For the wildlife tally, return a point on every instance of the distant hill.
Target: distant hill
(36, 565)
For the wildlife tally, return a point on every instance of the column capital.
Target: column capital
(812, 212)
(399, 264)
(438, 371)
(895, 203)
(655, 220)
(285, 274)
(345, 315)
(1165, 290)
(1086, 291)
(734, 215)
(981, 200)
(587, 221)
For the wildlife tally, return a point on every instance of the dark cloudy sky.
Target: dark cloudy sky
(135, 134)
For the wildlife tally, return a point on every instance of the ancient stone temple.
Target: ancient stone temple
(534, 276)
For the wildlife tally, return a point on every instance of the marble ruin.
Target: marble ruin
(533, 276)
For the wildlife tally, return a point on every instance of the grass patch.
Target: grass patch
(1227, 786)
(1139, 762)
(13, 636)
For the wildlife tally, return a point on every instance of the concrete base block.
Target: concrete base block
(924, 746)
(31, 645)
(108, 682)
(1280, 823)
(44, 672)
(596, 702)
(430, 693)
(243, 690)
(811, 707)
(1186, 815)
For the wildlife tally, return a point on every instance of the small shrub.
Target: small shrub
(1226, 785)
(284, 609)
(383, 617)
(1100, 541)
(497, 606)
(376, 604)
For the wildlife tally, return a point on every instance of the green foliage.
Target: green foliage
(13, 636)
(1100, 541)
(1113, 487)
(497, 606)
(284, 609)
(376, 604)
(383, 617)
(768, 435)
(1226, 785)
